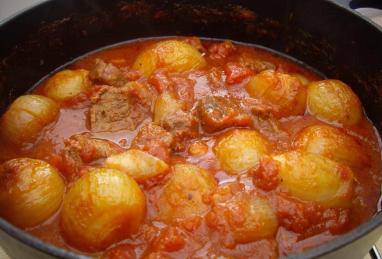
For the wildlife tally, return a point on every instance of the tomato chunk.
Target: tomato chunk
(236, 73)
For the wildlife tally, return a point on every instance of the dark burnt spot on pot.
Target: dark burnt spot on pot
(301, 40)
(137, 9)
(244, 14)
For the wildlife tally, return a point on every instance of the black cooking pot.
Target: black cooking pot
(325, 35)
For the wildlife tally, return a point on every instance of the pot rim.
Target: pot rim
(323, 249)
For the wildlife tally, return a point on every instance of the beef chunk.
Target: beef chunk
(83, 148)
(107, 73)
(182, 87)
(161, 81)
(71, 163)
(91, 148)
(269, 126)
(116, 108)
(183, 126)
(217, 113)
(154, 140)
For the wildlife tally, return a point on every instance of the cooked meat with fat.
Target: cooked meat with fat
(83, 148)
(183, 88)
(183, 126)
(117, 108)
(217, 113)
(107, 73)
(155, 140)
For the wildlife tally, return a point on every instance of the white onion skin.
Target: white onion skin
(31, 191)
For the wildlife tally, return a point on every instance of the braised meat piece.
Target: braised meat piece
(183, 88)
(268, 125)
(117, 108)
(161, 81)
(155, 140)
(90, 148)
(106, 73)
(81, 148)
(217, 113)
(71, 163)
(183, 126)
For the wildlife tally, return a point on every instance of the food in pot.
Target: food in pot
(188, 148)
(67, 84)
(172, 55)
(100, 208)
(26, 117)
(31, 191)
(334, 101)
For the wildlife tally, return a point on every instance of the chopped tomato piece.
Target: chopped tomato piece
(221, 50)
(266, 175)
(236, 73)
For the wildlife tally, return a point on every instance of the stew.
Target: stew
(188, 148)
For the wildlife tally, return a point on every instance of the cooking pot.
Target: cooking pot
(323, 34)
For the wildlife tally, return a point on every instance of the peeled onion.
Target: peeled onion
(67, 84)
(173, 55)
(26, 117)
(285, 92)
(315, 178)
(334, 101)
(165, 105)
(102, 207)
(138, 164)
(182, 195)
(240, 150)
(333, 143)
(31, 191)
(246, 216)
